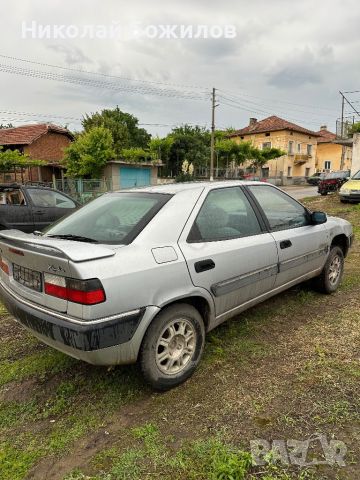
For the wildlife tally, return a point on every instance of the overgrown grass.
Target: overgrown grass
(48, 401)
(205, 459)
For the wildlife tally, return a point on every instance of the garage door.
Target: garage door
(134, 177)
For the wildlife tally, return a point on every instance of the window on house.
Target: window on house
(289, 172)
(299, 148)
(266, 145)
(309, 150)
(265, 172)
(307, 172)
(291, 148)
(267, 134)
(327, 165)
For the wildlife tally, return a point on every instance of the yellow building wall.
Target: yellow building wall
(287, 164)
(332, 152)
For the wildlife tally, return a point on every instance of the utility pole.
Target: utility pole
(342, 114)
(212, 146)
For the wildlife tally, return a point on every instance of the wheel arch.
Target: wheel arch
(200, 303)
(341, 241)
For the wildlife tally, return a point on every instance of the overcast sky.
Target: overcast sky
(288, 58)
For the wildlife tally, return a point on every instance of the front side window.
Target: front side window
(48, 198)
(225, 214)
(115, 218)
(281, 211)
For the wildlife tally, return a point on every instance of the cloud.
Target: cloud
(72, 55)
(301, 68)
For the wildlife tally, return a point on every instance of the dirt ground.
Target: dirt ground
(286, 370)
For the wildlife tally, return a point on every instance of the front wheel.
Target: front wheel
(172, 346)
(330, 278)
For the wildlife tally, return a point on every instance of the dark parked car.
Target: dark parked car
(315, 178)
(29, 207)
(333, 181)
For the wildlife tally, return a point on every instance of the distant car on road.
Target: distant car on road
(333, 181)
(144, 274)
(30, 207)
(315, 178)
(350, 191)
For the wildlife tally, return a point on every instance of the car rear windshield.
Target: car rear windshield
(114, 218)
(356, 176)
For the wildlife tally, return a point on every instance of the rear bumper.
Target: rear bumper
(104, 341)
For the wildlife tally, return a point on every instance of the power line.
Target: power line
(242, 95)
(78, 70)
(263, 112)
(242, 107)
(100, 84)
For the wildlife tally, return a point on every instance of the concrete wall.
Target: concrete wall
(112, 170)
(356, 154)
(333, 152)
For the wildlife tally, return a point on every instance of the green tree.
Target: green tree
(136, 154)
(355, 128)
(123, 127)
(10, 159)
(191, 143)
(89, 153)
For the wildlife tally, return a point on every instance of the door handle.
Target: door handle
(204, 265)
(285, 244)
(39, 212)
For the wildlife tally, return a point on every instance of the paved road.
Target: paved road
(301, 192)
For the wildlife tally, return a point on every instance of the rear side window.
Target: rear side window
(225, 214)
(115, 218)
(12, 196)
(282, 211)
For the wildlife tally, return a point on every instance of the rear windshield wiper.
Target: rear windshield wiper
(76, 238)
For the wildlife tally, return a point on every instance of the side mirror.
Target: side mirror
(317, 218)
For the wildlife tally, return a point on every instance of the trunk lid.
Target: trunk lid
(29, 257)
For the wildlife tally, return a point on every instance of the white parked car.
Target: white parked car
(144, 274)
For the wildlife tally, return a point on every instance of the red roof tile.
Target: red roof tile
(29, 133)
(326, 136)
(271, 124)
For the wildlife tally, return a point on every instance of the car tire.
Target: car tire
(172, 346)
(323, 193)
(330, 278)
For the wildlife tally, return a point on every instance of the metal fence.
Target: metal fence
(83, 190)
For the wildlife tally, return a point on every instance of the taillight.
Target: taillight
(4, 266)
(86, 292)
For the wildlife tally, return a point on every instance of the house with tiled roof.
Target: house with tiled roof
(298, 143)
(41, 142)
(331, 155)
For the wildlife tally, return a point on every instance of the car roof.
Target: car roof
(174, 188)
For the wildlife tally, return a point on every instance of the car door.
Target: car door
(227, 250)
(48, 206)
(302, 247)
(15, 211)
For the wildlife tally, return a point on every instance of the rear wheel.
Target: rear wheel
(330, 278)
(172, 346)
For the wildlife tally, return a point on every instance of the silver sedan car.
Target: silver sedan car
(143, 275)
